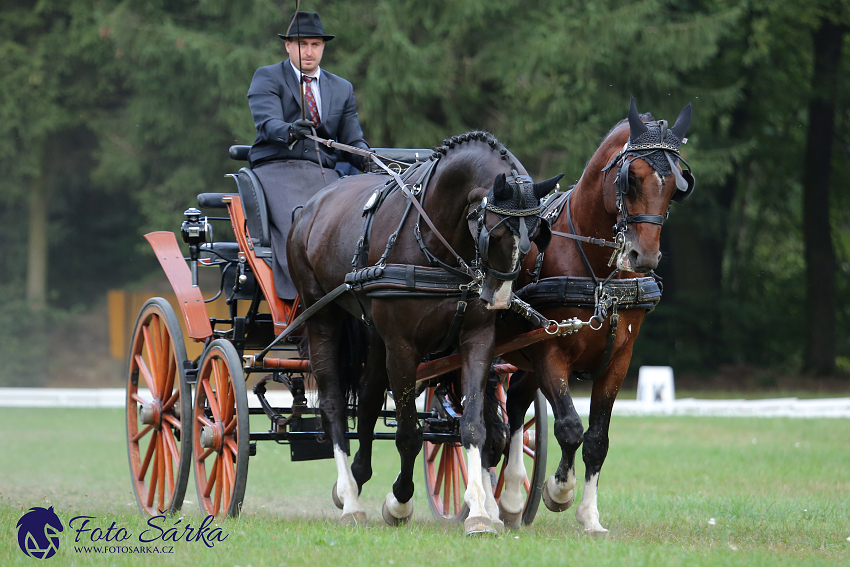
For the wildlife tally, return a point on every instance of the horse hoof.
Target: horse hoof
(596, 534)
(478, 525)
(552, 504)
(392, 520)
(337, 501)
(354, 519)
(512, 520)
(499, 526)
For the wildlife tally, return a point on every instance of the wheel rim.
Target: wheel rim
(446, 474)
(220, 439)
(155, 430)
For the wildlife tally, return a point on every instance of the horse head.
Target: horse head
(648, 177)
(504, 223)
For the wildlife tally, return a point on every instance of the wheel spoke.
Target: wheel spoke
(160, 452)
(138, 399)
(140, 434)
(434, 450)
(528, 451)
(441, 469)
(228, 480)
(203, 456)
(146, 374)
(527, 425)
(169, 403)
(500, 484)
(211, 399)
(149, 348)
(204, 421)
(447, 464)
(171, 443)
(219, 481)
(169, 456)
(462, 463)
(173, 421)
(211, 480)
(231, 426)
(232, 445)
(148, 454)
(456, 487)
(154, 471)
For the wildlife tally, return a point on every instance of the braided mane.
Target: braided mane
(476, 136)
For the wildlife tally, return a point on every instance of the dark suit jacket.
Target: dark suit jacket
(275, 101)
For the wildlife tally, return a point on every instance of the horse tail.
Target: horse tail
(353, 351)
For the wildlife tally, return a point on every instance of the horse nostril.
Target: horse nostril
(633, 257)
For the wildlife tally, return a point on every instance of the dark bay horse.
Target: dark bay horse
(484, 209)
(629, 184)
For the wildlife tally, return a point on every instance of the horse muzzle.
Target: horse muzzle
(496, 294)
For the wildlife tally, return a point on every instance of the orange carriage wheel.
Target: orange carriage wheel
(446, 473)
(221, 438)
(159, 410)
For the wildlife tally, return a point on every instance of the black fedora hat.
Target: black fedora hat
(307, 24)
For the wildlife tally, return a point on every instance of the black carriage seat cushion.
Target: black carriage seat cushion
(256, 211)
(220, 251)
(213, 200)
(239, 153)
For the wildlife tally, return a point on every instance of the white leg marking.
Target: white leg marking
(398, 509)
(489, 500)
(562, 492)
(474, 496)
(587, 513)
(511, 499)
(346, 486)
(503, 294)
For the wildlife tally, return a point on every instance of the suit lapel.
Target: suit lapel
(327, 95)
(291, 82)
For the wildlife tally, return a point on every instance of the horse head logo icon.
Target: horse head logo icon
(38, 533)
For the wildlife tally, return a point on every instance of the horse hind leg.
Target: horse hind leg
(519, 397)
(324, 333)
(398, 506)
(370, 402)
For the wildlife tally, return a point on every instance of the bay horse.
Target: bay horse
(628, 183)
(482, 205)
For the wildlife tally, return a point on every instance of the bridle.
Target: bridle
(623, 160)
(482, 239)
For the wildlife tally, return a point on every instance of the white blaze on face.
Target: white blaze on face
(346, 486)
(502, 297)
(511, 499)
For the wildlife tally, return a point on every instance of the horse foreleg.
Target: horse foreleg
(519, 397)
(476, 350)
(324, 336)
(370, 402)
(596, 447)
(552, 374)
(398, 506)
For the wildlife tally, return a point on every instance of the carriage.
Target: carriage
(194, 414)
(184, 414)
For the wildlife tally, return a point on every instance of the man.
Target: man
(286, 162)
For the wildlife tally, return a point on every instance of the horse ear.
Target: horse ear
(501, 190)
(544, 187)
(683, 122)
(636, 125)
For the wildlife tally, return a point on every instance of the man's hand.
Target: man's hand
(300, 129)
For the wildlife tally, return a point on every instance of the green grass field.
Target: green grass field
(674, 491)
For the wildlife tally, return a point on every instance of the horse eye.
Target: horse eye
(633, 182)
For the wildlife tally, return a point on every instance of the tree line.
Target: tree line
(115, 114)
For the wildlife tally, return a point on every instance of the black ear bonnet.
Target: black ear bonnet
(658, 146)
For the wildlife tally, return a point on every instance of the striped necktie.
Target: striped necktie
(311, 101)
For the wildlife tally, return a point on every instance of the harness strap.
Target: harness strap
(454, 326)
(306, 314)
(578, 245)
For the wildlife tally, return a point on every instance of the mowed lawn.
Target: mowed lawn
(674, 491)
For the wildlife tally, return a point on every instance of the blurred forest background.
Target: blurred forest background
(115, 114)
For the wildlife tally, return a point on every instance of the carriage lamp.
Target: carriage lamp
(195, 232)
